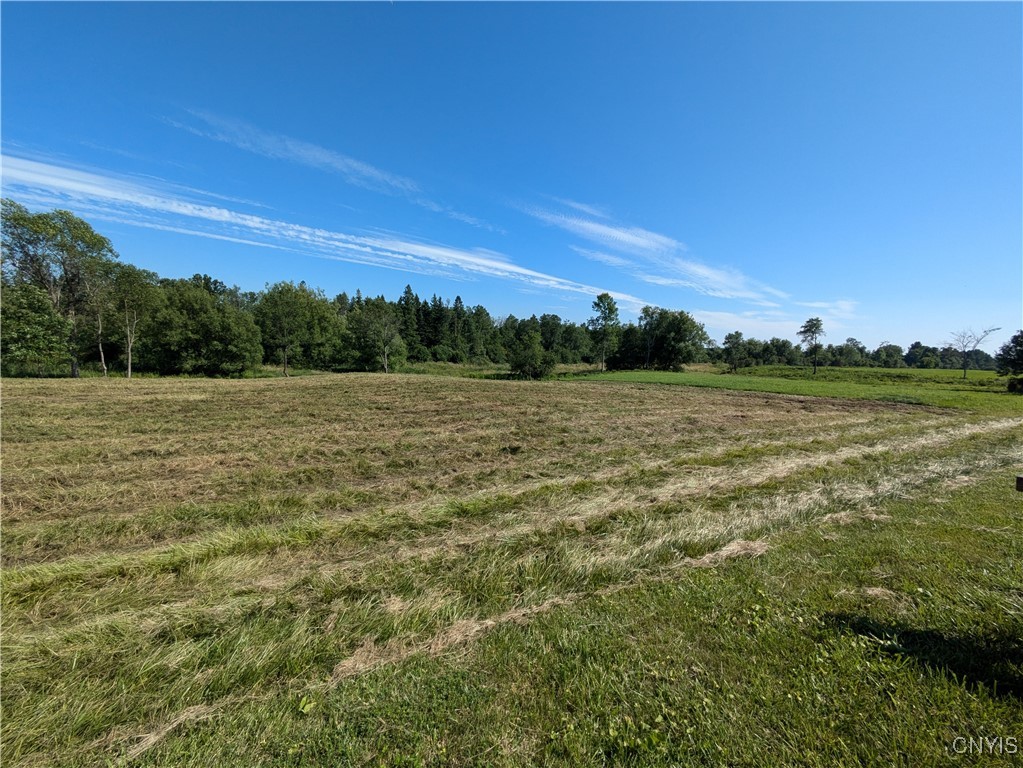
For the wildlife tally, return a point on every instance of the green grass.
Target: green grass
(420, 570)
(863, 641)
(497, 371)
(981, 391)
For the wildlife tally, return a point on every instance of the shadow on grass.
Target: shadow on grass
(994, 661)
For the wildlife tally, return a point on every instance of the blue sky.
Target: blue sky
(752, 164)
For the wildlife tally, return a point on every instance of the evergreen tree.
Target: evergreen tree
(811, 333)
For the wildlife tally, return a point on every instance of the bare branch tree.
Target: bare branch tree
(965, 342)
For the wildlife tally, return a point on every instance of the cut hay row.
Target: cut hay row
(521, 498)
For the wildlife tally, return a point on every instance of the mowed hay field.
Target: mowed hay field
(372, 569)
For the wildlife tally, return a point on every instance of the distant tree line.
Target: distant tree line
(740, 352)
(68, 301)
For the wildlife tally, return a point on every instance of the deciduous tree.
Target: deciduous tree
(966, 341)
(136, 294)
(33, 337)
(282, 315)
(1009, 361)
(201, 331)
(60, 254)
(373, 328)
(528, 358)
(735, 350)
(605, 326)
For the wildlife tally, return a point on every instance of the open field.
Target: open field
(370, 569)
(981, 391)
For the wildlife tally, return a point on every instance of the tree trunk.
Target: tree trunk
(131, 322)
(99, 342)
(73, 346)
(285, 351)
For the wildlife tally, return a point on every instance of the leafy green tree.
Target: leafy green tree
(666, 339)
(850, 355)
(1009, 361)
(282, 314)
(576, 344)
(810, 333)
(484, 342)
(649, 322)
(99, 303)
(922, 356)
(784, 351)
(60, 254)
(528, 358)
(761, 352)
(550, 332)
(323, 348)
(629, 351)
(605, 326)
(201, 331)
(888, 355)
(735, 351)
(298, 324)
(373, 328)
(682, 340)
(136, 295)
(33, 336)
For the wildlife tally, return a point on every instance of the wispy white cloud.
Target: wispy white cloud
(719, 282)
(657, 259)
(152, 206)
(456, 215)
(252, 139)
(589, 210)
(781, 322)
(276, 146)
(633, 240)
(761, 325)
(843, 309)
(604, 258)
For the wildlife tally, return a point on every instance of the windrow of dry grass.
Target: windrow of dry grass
(173, 549)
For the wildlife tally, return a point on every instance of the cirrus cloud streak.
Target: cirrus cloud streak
(157, 206)
(654, 258)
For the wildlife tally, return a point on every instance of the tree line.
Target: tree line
(69, 301)
(741, 352)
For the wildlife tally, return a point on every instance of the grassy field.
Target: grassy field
(980, 391)
(421, 570)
